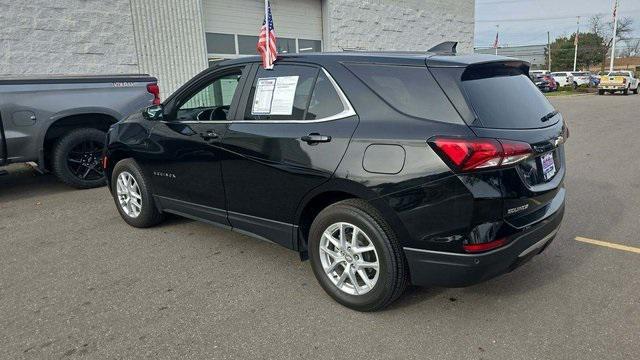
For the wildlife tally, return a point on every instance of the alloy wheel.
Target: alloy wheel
(129, 195)
(84, 160)
(349, 258)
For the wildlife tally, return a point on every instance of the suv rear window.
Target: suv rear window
(410, 90)
(508, 102)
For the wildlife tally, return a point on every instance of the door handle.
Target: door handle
(209, 135)
(315, 138)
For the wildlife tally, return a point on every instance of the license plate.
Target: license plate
(548, 166)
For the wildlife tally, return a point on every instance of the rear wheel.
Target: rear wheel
(356, 256)
(625, 91)
(132, 195)
(600, 92)
(75, 158)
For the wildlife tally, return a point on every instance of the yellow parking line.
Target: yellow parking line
(609, 245)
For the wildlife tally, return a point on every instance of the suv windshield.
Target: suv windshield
(508, 102)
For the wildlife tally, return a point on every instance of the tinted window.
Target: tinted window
(285, 46)
(325, 101)
(220, 43)
(247, 44)
(508, 102)
(309, 45)
(409, 90)
(306, 79)
(211, 102)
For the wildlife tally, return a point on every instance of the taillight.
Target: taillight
(475, 248)
(624, 80)
(154, 89)
(472, 154)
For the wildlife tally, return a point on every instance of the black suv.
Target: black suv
(383, 168)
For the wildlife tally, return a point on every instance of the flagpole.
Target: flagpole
(497, 37)
(615, 30)
(575, 54)
(267, 31)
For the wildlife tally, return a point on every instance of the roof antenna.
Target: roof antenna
(445, 48)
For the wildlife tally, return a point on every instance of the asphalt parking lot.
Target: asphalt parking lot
(76, 281)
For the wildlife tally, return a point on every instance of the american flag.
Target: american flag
(495, 43)
(615, 9)
(270, 55)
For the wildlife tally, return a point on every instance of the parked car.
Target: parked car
(615, 81)
(594, 80)
(581, 78)
(563, 78)
(545, 83)
(60, 122)
(382, 168)
(536, 73)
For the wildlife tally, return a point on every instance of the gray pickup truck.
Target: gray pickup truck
(60, 122)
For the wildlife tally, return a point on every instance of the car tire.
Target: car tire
(135, 200)
(635, 91)
(600, 92)
(391, 277)
(75, 158)
(625, 91)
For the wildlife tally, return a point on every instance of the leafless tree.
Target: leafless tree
(605, 30)
(632, 48)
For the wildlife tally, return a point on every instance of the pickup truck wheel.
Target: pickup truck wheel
(625, 91)
(600, 92)
(132, 195)
(75, 159)
(635, 91)
(356, 257)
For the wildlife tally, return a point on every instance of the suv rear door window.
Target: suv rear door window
(306, 78)
(410, 90)
(508, 102)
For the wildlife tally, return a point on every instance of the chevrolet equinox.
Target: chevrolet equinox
(383, 169)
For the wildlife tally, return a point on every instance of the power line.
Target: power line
(551, 18)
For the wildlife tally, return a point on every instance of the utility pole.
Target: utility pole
(549, 49)
(575, 54)
(615, 30)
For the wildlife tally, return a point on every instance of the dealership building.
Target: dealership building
(175, 39)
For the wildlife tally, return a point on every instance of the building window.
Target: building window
(221, 43)
(219, 46)
(247, 44)
(286, 46)
(309, 45)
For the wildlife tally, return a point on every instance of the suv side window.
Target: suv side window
(306, 78)
(410, 90)
(213, 101)
(325, 100)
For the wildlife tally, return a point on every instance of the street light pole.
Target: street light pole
(549, 49)
(575, 54)
(615, 30)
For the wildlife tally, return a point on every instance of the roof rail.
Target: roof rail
(444, 48)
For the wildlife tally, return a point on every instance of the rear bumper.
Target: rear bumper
(437, 268)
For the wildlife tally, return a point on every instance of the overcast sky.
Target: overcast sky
(526, 22)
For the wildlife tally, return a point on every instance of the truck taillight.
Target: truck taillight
(154, 90)
(624, 80)
(477, 154)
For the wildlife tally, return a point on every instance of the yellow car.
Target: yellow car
(623, 81)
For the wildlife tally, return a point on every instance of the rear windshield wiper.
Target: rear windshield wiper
(549, 115)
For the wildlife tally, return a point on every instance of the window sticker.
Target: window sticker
(275, 96)
(263, 96)
(284, 95)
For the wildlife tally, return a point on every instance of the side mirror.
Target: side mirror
(153, 112)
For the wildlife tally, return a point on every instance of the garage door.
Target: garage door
(232, 26)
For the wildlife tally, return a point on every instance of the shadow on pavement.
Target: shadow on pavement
(23, 182)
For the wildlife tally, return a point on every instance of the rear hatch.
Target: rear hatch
(499, 101)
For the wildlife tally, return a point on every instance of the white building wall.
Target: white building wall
(414, 25)
(66, 37)
(170, 41)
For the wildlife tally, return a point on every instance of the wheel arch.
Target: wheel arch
(65, 123)
(334, 191)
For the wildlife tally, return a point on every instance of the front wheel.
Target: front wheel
(356, 257)
(75, 159)
(132, 194)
